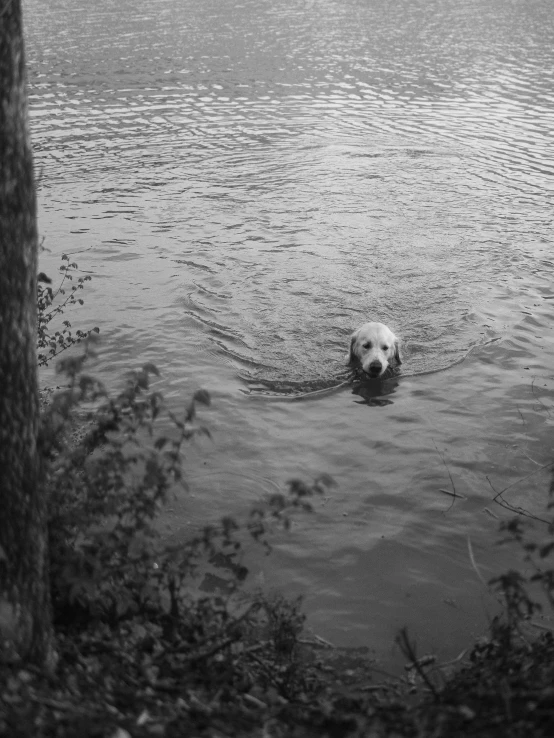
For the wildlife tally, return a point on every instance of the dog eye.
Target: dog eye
(367, 345)
(385, 348)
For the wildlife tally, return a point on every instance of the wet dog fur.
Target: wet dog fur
(374, 349)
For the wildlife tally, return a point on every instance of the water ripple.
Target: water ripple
(246, 182)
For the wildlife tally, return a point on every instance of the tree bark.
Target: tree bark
(25, 616)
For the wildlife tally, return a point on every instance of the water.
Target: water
(248, 183)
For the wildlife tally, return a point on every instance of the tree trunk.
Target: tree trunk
(25, 617)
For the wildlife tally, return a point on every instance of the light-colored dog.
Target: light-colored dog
(374, 348)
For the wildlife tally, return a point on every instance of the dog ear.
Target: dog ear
(397, 352)
(351, 355)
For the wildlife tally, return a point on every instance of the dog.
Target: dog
(374, 348)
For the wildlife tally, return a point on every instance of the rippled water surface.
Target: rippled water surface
(248, 182)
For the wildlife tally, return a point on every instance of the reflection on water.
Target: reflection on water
(376, 392)
(247, 183)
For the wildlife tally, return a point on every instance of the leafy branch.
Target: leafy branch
(51, 304)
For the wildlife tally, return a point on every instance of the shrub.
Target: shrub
(108, 562)
(52, 304)
(514, 587)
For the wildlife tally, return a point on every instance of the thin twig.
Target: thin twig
(473, 563)
(458, 658)
(522, 479)
(408, 649)
(519, 510)
(529, 457)
(452, 494)
(446, 466)
(323, 642)
(538, 399)
(540, 626)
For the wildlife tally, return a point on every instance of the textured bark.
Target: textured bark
(25, 621)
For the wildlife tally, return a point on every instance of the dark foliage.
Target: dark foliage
(52, 304)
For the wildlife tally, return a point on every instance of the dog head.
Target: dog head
(374, 348)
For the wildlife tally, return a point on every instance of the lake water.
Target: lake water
(247, 182)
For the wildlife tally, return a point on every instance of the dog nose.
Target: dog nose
(375, 367)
